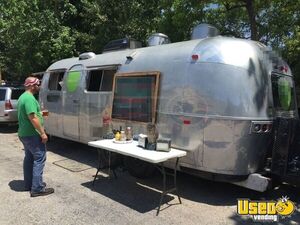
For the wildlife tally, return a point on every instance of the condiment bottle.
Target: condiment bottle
(128, 133)
(123, 136)
(152, 133)
(118, 136)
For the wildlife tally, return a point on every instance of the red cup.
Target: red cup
(45, 113)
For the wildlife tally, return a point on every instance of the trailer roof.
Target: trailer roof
(120, 57)
(226, 50)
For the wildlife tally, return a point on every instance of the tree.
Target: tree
(292, 52)
(108, 20)
(31, 37)
(179, 17)
(274, 23)
(35, 33)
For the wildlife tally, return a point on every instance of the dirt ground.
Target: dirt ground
(70, 169)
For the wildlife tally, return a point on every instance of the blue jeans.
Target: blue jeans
(34, 162)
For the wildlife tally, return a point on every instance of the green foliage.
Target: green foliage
(108, 20)
(35, 33)
(32, 37)
(292, 52)
(179, 17)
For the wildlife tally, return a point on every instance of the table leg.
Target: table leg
(163, 171)
(175, 180)
(99, 165)
(165, 191)
(109, 155)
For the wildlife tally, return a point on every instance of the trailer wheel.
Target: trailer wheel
(138, 168)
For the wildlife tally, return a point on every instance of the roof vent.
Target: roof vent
(204, 31)
(120, 44)
(86, 55)
(158, 39)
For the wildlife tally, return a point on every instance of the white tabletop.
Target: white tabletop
(132, 149)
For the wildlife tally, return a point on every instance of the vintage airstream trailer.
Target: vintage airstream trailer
(215, 97)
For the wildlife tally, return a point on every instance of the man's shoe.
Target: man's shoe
(46, 191)
(29, 189)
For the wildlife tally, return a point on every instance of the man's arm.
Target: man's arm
(36, 124)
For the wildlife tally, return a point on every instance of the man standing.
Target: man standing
(34, 138)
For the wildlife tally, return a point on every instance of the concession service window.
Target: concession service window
(135, 96)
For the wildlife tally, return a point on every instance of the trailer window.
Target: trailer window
(100, 80)
(94, 80)
(135, 96)
(54, 81)
(283, 92)
(107, 80)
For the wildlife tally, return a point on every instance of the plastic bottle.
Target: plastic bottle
(128, 133)
(118, 136)
(123, 136)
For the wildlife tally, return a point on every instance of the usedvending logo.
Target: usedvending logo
(266, 211)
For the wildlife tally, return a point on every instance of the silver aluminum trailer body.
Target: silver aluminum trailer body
(213, 93)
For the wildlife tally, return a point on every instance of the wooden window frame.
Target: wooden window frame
(154, 93)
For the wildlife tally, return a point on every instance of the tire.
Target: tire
(139, 168)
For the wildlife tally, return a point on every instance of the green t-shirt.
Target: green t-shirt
(27, 104)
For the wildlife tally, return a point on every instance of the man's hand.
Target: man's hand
(44, 138)
(36, 124)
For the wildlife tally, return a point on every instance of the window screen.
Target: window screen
(55, 79)
(94, 80)
(100, 80)
(107, 80)
(135, 97)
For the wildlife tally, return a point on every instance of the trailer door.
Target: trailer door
(71, 102)
(284, 125)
